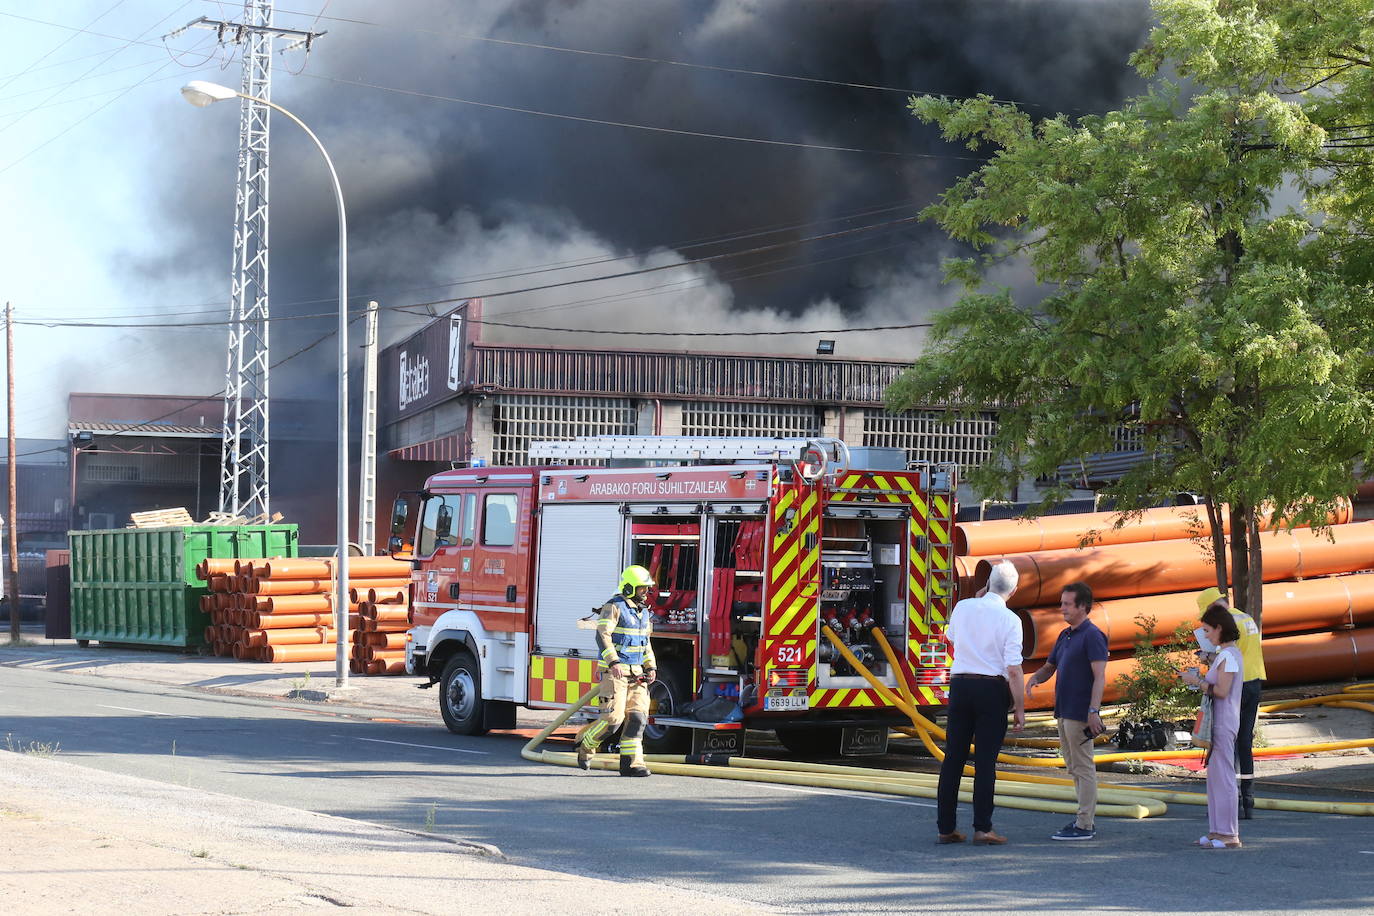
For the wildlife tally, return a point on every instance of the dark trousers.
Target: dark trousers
(1245, 732)
(977, 714)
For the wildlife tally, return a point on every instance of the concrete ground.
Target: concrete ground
(129, 845)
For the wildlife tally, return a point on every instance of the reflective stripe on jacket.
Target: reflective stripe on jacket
(626, 626)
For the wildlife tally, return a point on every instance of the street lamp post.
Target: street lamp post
(202, 94)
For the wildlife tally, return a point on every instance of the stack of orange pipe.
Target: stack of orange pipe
(1318, 598)
(281, 609)
(379, 641)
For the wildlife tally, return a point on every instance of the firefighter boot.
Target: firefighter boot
(628, 767)
(584, 756)
(1247, 799)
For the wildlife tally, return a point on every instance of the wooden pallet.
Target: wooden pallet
(228, 518)
(161, 518)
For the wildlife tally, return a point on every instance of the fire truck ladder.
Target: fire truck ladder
(697, 448)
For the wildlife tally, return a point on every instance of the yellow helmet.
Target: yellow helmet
(635, 577)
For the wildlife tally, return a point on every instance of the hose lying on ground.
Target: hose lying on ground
(1014, 790)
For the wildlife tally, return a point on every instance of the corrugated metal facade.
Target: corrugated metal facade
(681, 375)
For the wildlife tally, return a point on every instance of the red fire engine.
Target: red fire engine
(755, 545)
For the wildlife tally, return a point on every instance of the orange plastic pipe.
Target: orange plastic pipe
(358, 568)
(214, 566)
(1295, 659)
(1289, 607)
(1126, 570)
(388, 596)
(298, 654)
(392, 640)
(295, 604)
(385, 613)
(364, 590)
(296, 636)
(1056, 532)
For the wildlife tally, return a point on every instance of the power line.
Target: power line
(792, 144)
(72, 37)
(209, 397)
(706, 259)
(116, 90)
(622, 333)
(207, 308)
(743, 71)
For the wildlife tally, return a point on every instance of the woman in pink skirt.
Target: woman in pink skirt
(1222, 684)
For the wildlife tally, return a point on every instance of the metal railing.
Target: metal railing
(681, 375)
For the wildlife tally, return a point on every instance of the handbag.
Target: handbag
(1202, 726)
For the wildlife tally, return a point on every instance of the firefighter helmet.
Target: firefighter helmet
(635, 577)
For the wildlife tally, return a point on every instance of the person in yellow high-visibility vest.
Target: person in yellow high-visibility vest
(627, 670)
(1252, 684)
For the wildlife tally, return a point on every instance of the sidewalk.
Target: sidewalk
(124, 845)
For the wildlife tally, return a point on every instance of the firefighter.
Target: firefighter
(627, 670)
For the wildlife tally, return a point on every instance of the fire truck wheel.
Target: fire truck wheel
(667, 695)
(460, 697)
(810, 742)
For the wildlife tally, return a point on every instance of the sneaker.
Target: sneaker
(1074, 832)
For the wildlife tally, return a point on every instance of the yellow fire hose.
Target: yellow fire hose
(1052, 798)
(923, 729)
(1014, 790)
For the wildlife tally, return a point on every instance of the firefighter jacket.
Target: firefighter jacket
(622, 633)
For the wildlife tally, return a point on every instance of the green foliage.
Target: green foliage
(1153, 690)
(1203, 267)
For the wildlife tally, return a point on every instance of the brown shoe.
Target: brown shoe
(584, 757)
(988, 838)
(952, 837)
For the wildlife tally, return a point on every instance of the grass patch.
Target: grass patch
(201, 853)
(32, 748)
(429, 816)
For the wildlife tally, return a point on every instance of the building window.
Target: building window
(519, 419)
(927, 438)
(720, 418)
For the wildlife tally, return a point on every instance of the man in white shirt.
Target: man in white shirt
(985, 680)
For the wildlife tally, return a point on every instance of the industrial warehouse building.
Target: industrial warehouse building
(447, 397)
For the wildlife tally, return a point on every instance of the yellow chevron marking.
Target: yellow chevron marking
(806, 626)
(784, 501)
(921, 505)
(940, 559)
(938, 532)
(863, 699)
(783, 559)
(779, 627)
(942, 506)
(919, 562)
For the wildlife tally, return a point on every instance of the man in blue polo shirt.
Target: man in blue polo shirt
(1080, 658)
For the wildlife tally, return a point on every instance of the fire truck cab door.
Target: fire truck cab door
(439, 544)
(495, 575)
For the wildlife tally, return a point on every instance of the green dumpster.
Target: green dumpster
(138, 586)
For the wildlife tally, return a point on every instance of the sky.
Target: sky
(490, 146)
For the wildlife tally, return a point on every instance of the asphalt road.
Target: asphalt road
(801, 849)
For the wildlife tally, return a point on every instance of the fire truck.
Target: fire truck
(755, 545)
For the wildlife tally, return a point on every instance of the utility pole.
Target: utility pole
(244, 459)
(367, 485)
(13, 515)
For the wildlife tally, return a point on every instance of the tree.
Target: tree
(1174, 295)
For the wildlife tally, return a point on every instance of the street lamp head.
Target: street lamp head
(201, 93)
